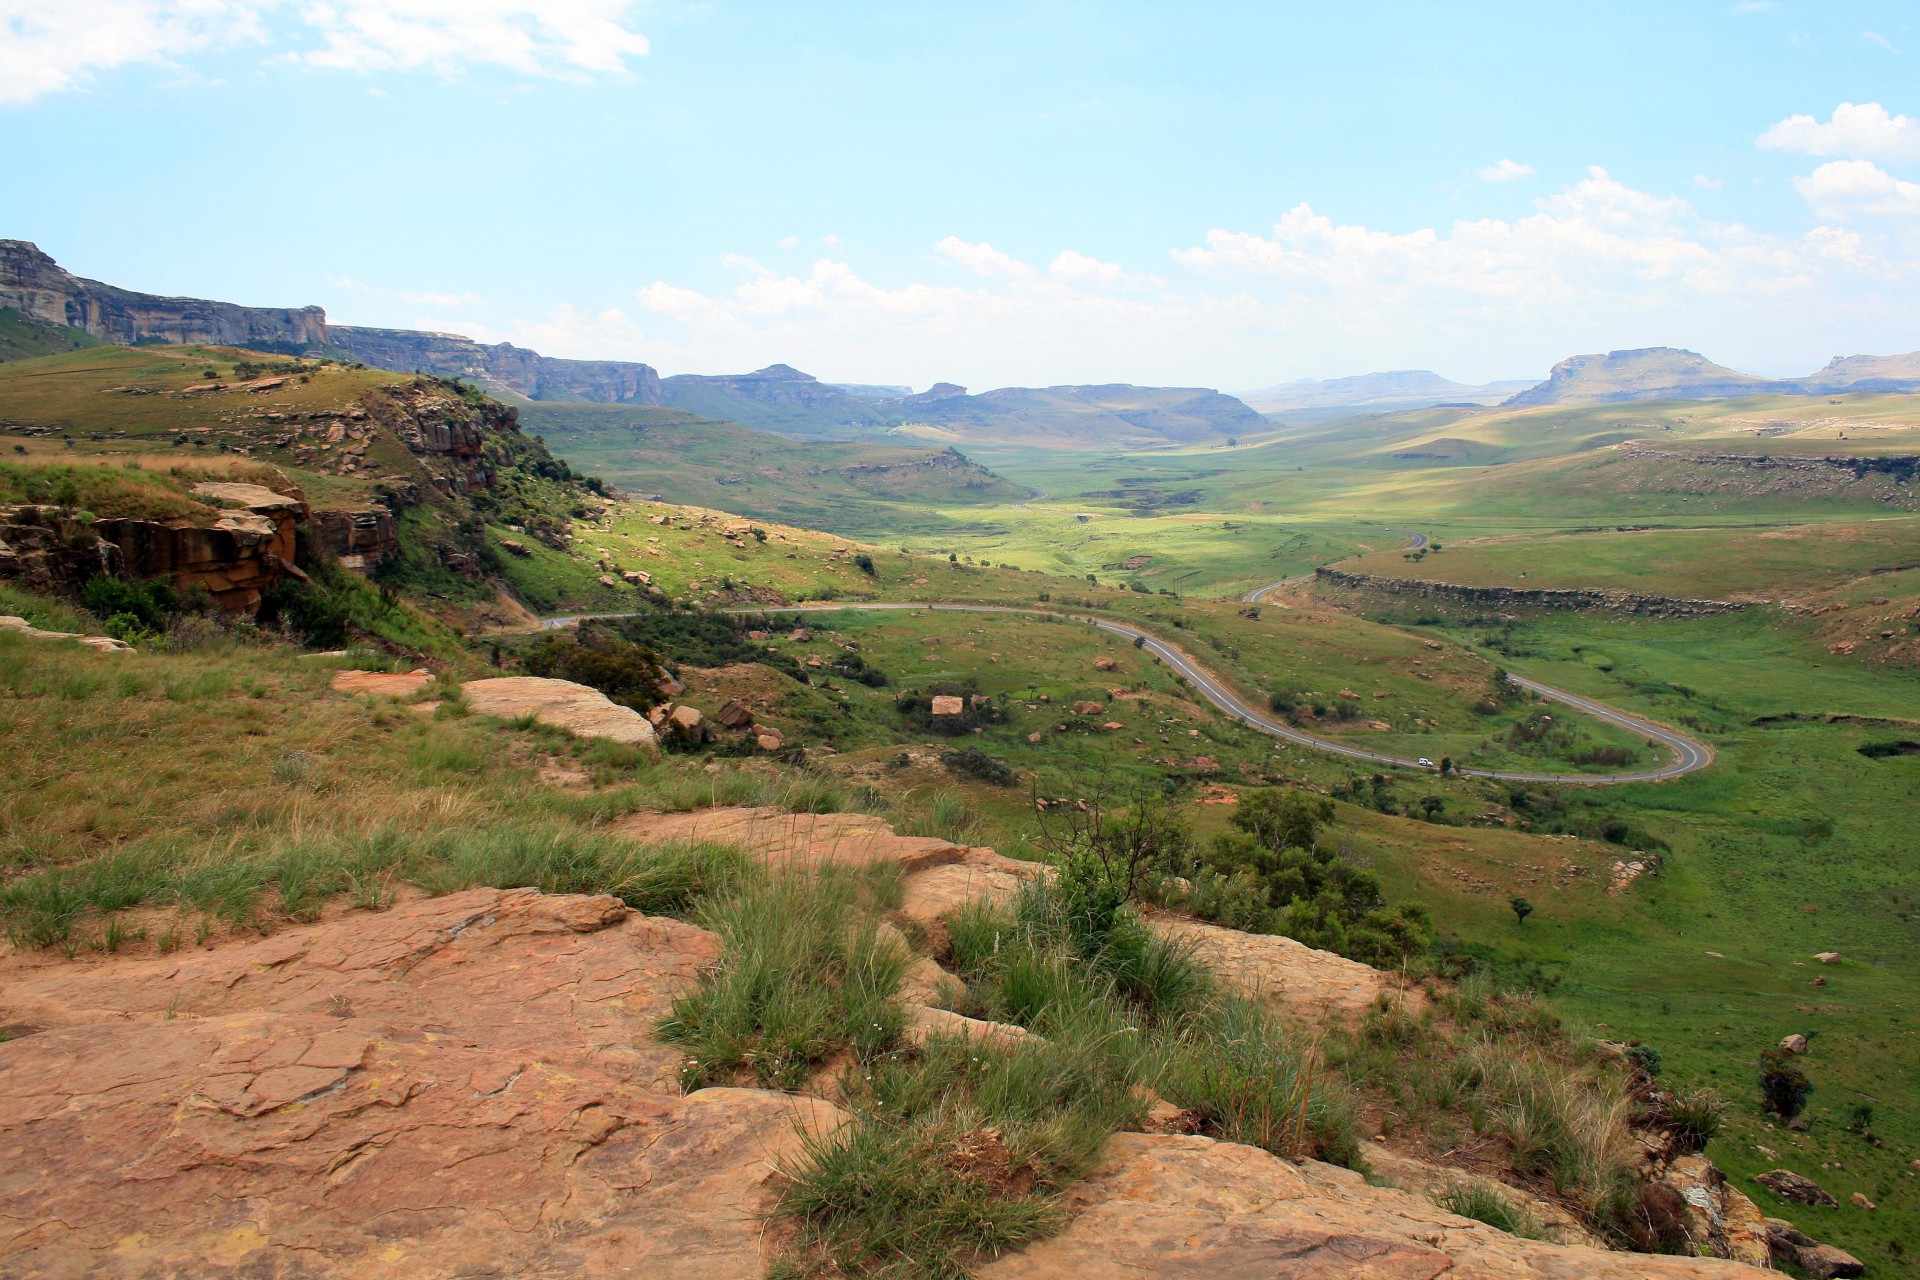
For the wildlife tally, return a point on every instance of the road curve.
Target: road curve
(1414, 542)
(1690, 755)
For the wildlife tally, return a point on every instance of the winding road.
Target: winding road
(1689, 755)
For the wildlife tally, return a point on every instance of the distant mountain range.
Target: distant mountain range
(51, 308)
(778, 398)
(1399, 389)
(1669, 373)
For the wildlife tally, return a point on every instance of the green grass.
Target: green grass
(804, 977)
(1482, 1203)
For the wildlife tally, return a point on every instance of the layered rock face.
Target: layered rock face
(34, 283)
(1579, 600)
(237, 557)
(501, 366)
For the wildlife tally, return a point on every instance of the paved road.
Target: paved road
(1415, 541)
(1689, 755)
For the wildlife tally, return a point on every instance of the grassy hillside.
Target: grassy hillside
(845, 487)
(22, 337)
(1786, 562)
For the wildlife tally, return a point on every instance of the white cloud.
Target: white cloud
(789, 242)
(46, 48)
(1706, 183)
(411, 297)
(1874, 37)
(1846, 189)
(1866, 131)
(1595, 266)
(981, 259)
(1503, 171)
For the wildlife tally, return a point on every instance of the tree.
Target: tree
(1521, 909)
(1431, 806)
(1446, 765)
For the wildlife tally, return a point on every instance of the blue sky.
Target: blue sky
(1209, 194)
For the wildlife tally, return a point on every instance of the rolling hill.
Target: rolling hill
(1398, 389)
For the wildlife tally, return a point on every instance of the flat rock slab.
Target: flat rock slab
(562, 704)
(568, 979)
(1190, 1208)
(466, 1085)
(307, 1146)
(385, 684)
(777, 837)
(1311, 983)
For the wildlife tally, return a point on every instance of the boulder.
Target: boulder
(734, 715)
(946, 706)
(1791, 1186)
(687, 724)
(1860, 1201)
(768, 739)
(1795, 1043)
(668, 686)
(1088, 708)
(1828, 957)
(562, 704)
(385, 684)
(1112, 726)
(1793, 1247)
(1105, 664)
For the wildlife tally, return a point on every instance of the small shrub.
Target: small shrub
(1784, 1087)
(972, 762)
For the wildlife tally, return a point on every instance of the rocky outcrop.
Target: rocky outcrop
(234, 555)
(1902, 468)
(1191, 1208)
(1265, 966)
(34, 283)
(1795, 1248)
(448, 430)
(465, 1085)
(1581, 600)
(562, 704)
(499, 366)
(360, 537)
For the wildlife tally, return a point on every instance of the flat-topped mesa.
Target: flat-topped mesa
(33, 283)
(499, 366)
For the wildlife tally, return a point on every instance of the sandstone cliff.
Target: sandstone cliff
(33, 283)
(1583, 600)
(500, 366)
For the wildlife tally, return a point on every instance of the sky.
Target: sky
(1201, 194)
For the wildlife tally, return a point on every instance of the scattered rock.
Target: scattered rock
(562, 704)
(734, 715)
(1036, 737)
(386, 684)
(768, 739)
(669, 687)
(946, 706)
(105, 644)
(1860, 1201)
(687, 724)
(513, 546)
(1828, 957)
(1112, 726)
(923, 1024)
(1088, 708)
(1795, 1043)
(1105, 664)
(1791, 1186)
